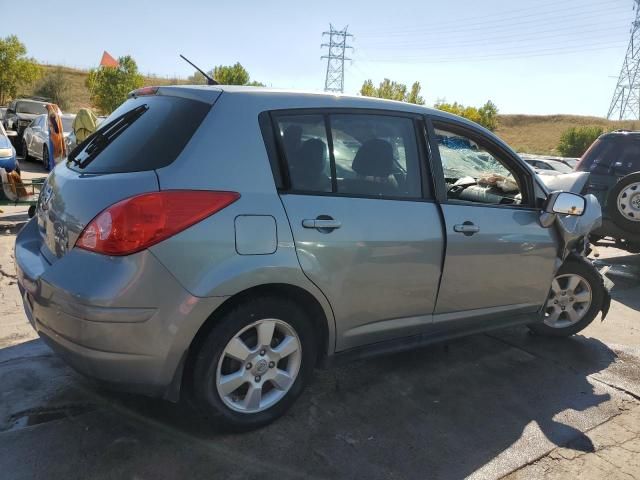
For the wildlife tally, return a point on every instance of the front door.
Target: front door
(365, 230)
(499, 260)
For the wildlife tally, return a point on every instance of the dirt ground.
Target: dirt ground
(500, 405)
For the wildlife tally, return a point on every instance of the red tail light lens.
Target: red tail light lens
(139, 222)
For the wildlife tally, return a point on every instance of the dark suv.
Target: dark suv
(21, 112)
(614, 164)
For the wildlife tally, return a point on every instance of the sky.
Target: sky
(535, 57)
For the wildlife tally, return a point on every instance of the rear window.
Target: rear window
(619, 155)
(144, 133)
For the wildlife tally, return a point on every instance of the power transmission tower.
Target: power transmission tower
(334, 80)
(626, 97)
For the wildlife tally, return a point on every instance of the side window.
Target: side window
(372, 155)
(375, 155)
(474, 174)
(304, 141)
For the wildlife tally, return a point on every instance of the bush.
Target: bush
(56, 88)
(575, 140)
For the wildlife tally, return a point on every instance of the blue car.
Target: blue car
(8, 159)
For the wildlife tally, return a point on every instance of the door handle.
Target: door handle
(467, 228)
(321, 223)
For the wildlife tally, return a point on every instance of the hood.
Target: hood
(566, 182)
(27, 116)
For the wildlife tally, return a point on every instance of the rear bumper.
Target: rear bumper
(121, 320)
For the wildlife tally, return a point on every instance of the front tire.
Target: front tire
(45, 158)
(575, 299)
(253, 364)
(25, 151)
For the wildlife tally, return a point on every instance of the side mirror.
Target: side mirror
(566, 203)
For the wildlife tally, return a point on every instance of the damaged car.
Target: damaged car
(613, 166)
(219, 243)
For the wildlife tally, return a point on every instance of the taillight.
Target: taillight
(138, 222)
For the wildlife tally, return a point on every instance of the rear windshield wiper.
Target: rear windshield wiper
(102, 137)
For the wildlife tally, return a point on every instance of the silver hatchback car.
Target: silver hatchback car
(221, 242)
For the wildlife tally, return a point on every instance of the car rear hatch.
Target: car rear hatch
(118, 161)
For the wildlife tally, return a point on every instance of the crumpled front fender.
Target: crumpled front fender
(572, 228)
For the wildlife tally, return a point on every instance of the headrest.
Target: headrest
(312, 155)
(374, 159)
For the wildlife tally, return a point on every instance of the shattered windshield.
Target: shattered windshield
(473, 174)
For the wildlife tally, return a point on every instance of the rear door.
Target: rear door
(499, 260)
(366, 228)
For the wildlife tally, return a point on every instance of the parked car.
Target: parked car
(209, 243)
(8, 159)
(20, 113)
(613, 162)
(542, 163)
(3, 111)
(35, 140)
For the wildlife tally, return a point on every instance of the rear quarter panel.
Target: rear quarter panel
(228, 153)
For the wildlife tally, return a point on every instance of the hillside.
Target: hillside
(525, 133)
(78, 90)
(541, 133)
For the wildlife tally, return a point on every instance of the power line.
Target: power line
(337, 46)
(513, 54)
(504, 22)
(626, 96)
(489, 39)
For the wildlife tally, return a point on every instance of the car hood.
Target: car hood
(566, 182)
(27, 116)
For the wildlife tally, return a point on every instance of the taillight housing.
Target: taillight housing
(141, 221)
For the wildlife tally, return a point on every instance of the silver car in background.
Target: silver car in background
(35, 140)
(221, 242)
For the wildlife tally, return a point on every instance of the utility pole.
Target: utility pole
(626, 97)
(334, 80)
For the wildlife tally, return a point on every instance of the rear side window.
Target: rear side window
(144, 133)
(351, 154)
(618, 155)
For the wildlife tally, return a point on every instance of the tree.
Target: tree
(109, 86)
(16, 69)
(226, 75)
(487, 115)
(575, 140)
(55, 87)
(392, 91)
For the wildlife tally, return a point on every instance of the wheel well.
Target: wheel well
(287, 292)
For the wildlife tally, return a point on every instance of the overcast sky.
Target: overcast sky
(535, 57)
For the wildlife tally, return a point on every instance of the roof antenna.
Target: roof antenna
(210, 81)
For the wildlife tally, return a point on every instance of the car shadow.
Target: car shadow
(624, 271)
(447, 411)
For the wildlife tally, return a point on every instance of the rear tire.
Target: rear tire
(245, 343)
(574, 300)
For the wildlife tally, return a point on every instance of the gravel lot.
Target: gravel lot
(505, 404)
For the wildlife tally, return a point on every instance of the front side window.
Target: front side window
(351, 154)
(475, 174)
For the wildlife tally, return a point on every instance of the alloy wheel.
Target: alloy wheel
(629, 202)
(569, 301)
(258, 366)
